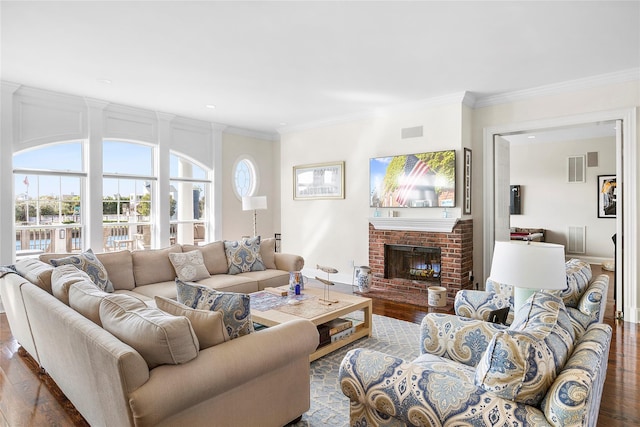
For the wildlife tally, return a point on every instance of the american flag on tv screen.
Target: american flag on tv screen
(414, 170)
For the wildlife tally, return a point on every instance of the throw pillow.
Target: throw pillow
(520, 364)
(87, 262)
(63, 277)
(35, 271)
(214, 257)
(189, 266)
(207, 325)
(161, 339)
(244, 255)
(234, 307)
(85, 298)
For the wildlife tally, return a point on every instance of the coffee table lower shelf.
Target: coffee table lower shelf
(355, 303)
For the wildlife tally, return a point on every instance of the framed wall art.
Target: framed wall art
(467, 182)
(318, 181)
(607, 196)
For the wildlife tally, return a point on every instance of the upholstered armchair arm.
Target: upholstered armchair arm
(478, 304)
(288, 262)
(387, 391)
(456, 338)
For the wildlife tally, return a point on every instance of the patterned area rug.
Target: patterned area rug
(329, 407)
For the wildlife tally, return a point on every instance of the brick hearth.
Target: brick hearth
(457, 262)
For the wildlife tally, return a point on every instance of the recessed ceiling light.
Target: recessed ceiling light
(211, 106)
(531, 137)
(283, 123)
(104, 81)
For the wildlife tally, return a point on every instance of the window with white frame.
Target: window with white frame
(188, 202)
(127, 195)
(245, 177)
(48, 204)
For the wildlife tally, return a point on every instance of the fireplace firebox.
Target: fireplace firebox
(419, 263)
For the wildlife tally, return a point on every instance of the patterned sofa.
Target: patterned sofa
(475, 373)
(584, 298)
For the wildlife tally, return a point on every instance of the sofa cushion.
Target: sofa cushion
(521, 363)
(119, 265)
(235, 308)
(35, 271)
(268, 252)
(214, 256)
(63, 277)
(207, 325)
(89, 263)
(153, 266)
(189, 266)
(160, 338)
(244, 255)
(85, 298)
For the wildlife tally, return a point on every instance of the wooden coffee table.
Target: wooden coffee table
(312, 309)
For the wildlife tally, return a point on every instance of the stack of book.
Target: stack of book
(335, 330)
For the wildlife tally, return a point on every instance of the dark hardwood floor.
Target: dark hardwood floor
(31, 398)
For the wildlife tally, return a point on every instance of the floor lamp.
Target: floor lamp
(253, 203)
(529, 267)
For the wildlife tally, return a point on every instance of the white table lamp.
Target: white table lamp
(253, 203)
(529, 267)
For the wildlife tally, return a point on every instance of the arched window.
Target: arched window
(48, 205)
(188, 202)
(127, 195)
(245, 177)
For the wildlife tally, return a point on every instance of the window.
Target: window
(188, 204)
(244, 178)
(127, 195)
(48, 183)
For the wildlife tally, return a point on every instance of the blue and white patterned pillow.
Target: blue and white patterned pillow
(87, 262)
(244, 255)
(235, 308)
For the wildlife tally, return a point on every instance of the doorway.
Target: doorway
(625, 159)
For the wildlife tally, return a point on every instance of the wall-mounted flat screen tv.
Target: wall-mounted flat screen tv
(422, 180)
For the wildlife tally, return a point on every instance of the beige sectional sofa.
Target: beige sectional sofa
(258, 379)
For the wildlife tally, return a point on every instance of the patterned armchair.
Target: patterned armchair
(584, 298)
(473, 373)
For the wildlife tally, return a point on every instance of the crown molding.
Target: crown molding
(623, 76)
(455, 98)
(251, 133)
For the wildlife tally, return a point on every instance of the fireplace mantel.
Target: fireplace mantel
(441, 225)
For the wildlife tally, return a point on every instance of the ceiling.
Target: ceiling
(270, 66)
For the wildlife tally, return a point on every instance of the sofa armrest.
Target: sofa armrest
(280, 353)
(456, 338)
(385, 390)
(593, 301)
(478, 304)
(288, 262)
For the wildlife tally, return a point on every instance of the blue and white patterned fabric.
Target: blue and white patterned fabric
(235, 308)
(435, 391)
(87, 262)
(244, 255)
(521, 363)
(583, 297)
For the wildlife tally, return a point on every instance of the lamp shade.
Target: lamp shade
(531, 265)
(251, 203)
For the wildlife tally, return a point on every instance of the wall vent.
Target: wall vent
(592, 159)
(414, 132)
(577, 240)
(576, 169)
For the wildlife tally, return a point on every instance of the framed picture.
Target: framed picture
(318, 181)
(607, 196)
(467, 182)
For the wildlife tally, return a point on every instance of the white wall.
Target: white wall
(236, 222)
(550, 202)
(335, 232)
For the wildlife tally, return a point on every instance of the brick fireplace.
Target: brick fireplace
(453, 237)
